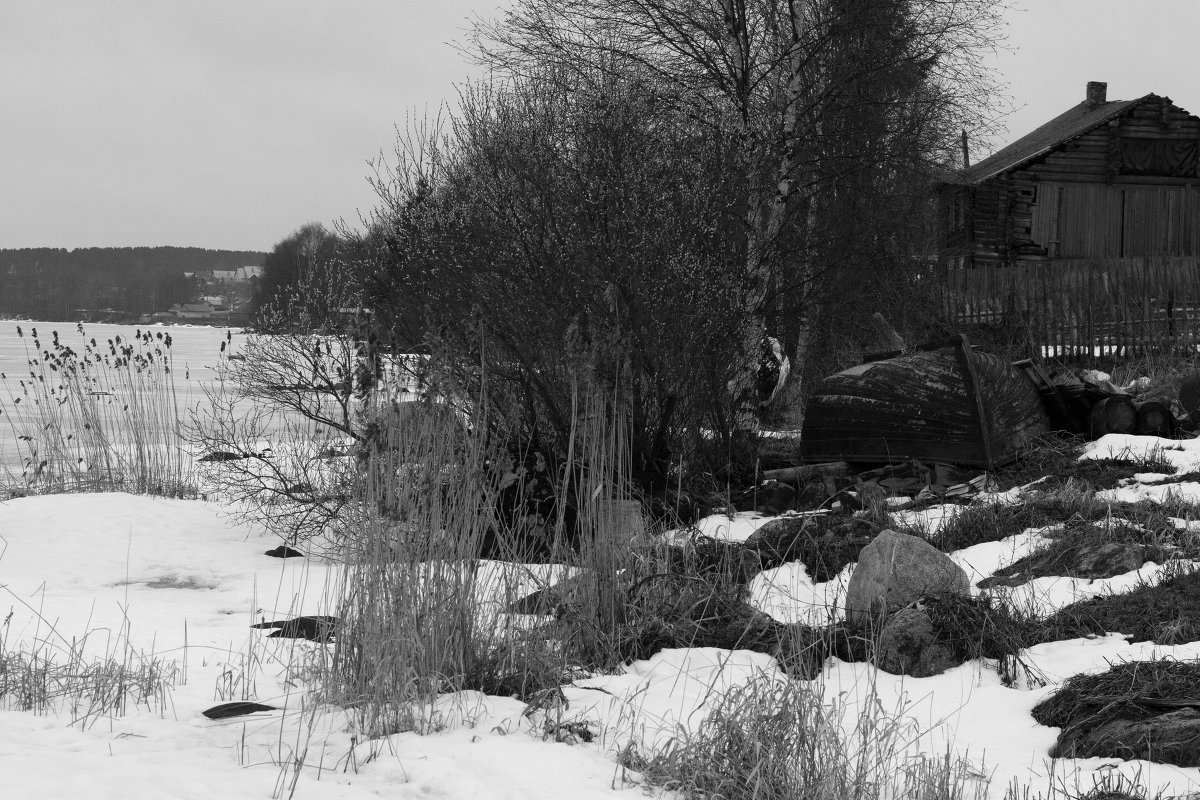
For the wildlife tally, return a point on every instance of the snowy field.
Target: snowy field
(143, 579)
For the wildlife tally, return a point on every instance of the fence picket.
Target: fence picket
(1083, 308)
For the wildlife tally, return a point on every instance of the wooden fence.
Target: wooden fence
(1084, 309)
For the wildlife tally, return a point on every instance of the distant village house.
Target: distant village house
(194, 311)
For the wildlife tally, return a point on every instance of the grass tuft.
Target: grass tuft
(1165, 613)
(63, 680)
(776, 740)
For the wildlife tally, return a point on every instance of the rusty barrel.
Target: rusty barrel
(1113, 414)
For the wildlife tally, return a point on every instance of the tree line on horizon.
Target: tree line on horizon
(54, 283)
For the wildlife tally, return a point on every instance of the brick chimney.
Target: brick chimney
(1097, 94)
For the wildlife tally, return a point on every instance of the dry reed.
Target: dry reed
(99, 418)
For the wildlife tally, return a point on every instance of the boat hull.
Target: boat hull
(945, 403)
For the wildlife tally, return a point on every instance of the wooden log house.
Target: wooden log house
(1107, 179)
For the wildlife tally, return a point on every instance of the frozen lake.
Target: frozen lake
(196, 370)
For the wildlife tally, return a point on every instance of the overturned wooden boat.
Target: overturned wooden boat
(943, 402)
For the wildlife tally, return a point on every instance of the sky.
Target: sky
(229, 124)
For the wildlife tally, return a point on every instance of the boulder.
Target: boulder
(908, 646)
(896, 569)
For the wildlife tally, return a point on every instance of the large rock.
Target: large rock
(896, 569)
(908, 646)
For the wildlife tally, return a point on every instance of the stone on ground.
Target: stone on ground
(896, 569)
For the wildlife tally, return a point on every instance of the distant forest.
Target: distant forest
(51, 283)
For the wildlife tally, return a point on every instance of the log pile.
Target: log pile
(1096, 407)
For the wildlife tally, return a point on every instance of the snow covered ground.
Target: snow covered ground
(141, 579)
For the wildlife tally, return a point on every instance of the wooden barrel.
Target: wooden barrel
(1113, 414)
(1154, 419)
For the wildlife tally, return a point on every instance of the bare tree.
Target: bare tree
(281, 430)
(563, 228)
(792, 82)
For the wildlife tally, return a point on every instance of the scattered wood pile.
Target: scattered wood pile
(1093, 406)
(840, 484)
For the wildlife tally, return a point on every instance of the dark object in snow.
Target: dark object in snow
(283, 551)
(1189, 396)
(236, 709)
(1080, 561)
(825, 543)
(1155, 419)
(223, 455)
(318, 628)
(942, 402)
(1115, 414)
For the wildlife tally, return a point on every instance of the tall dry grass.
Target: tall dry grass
(423, 614)
(96, 416)
(609, 522)
(412, 624)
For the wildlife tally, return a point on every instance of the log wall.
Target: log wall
(1083, 201)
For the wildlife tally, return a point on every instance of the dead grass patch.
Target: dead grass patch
(1167, 613)
(975, 628)
(825, 543)
(1093, 550)
(1129, 691)
(1078, 511)
(1056, 457)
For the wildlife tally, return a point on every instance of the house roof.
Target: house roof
(1071, 124)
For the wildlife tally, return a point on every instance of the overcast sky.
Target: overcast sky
(230, 123)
